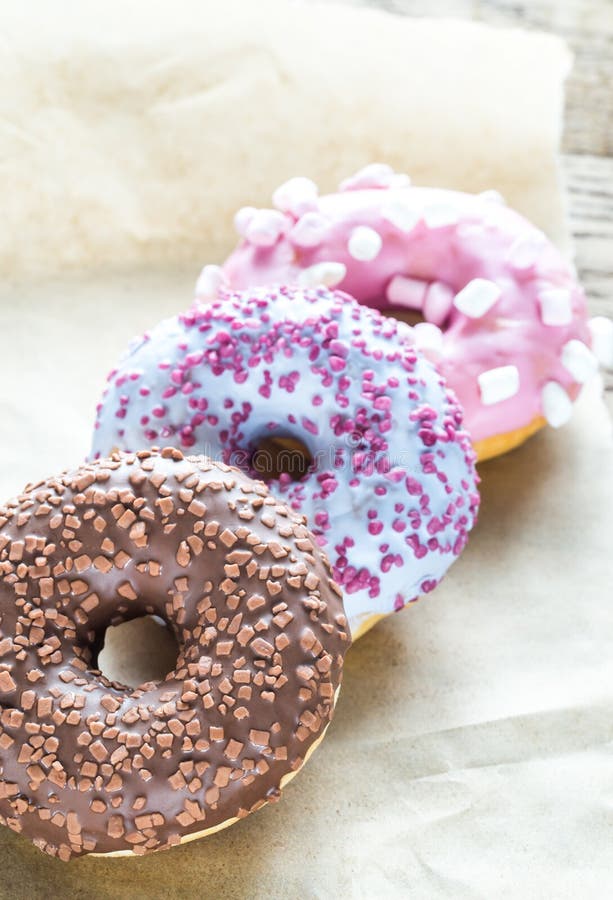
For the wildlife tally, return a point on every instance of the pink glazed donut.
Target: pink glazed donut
(391, 492)
(505, 319)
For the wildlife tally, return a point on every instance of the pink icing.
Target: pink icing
(432, 244)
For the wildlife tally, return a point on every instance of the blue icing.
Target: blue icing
(392, 492)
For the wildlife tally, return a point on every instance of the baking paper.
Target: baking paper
(471, 753)
(132, 132)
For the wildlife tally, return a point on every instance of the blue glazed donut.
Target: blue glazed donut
(391, 491)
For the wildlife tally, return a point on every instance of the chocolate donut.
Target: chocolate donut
(92, 766)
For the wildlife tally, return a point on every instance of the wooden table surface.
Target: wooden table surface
(587, 26)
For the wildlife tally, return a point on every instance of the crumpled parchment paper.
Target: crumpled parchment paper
(471, 754)
(132, 132)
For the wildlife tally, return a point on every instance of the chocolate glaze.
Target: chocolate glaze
(88, 765)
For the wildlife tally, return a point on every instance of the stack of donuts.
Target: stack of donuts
(381, 339)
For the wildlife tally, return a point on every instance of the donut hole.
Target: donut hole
(138, 651)
(277, 456)
(410, 316)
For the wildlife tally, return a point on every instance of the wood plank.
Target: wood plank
(589, 182)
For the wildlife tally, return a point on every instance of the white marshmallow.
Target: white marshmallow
(526, 249)
(375, 175)
(242, 219)
(372, 174)
(477, 297)
(579, 360)
(408, 293)
(310, 230)
(400, 180)
(296, 196)
(601, 330)
(265, 227)
(428, 337)
(208, 284)
(401, 215)
(364, 243)
(438, 303)
(492, 197)
(327, 273)
(498, 384)
(440, 215)
(556, 404)
(556, 306)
